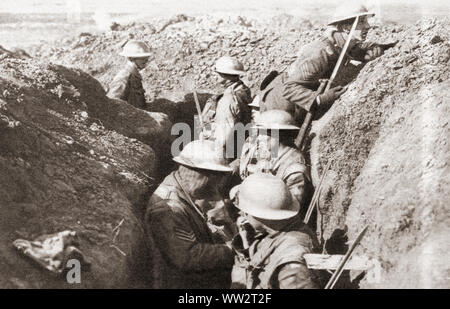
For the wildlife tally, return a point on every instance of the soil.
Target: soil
(66, 165)
(387, 139)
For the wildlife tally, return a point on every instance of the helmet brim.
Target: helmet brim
(203, 165)
(232, 72)
(339, 20)
(269, 214)
(276, 127)
(140, 55)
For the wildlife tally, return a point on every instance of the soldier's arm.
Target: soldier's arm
(177, 241)
(299, 87)
(118, 87)
(240, 110)
(366, 51)
(295, 178)
(295, 275)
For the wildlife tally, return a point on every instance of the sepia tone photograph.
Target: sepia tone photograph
(227, 145)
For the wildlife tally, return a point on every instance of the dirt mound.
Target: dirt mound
(187, 47)
(71, 159)
(387, 138)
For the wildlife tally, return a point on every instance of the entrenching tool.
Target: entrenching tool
(335, 277)
(299, 140)
(324, 87)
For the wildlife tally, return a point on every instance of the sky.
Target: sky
(193, 7)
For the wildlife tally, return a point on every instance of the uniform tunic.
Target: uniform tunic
(127, 86)
(231, 108)
(183, 248)
(289, 166)
(275, 261)
(295, 90)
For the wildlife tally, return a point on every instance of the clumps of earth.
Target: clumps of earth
(74, 159)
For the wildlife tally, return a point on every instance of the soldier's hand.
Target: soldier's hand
(235, 166)
(246, 231)
(331, 95)
(373, 53)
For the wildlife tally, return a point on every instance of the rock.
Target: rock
(115, 26)
(436, 39)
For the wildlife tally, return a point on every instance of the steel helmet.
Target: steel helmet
(135, 49)
(202, 154)
(349, 11)
(265, 196)
(276, 119)
(229, 65)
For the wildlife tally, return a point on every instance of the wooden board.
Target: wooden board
(325, 261)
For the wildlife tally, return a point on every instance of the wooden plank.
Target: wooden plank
(326, 261)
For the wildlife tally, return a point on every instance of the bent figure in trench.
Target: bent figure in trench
(295, 89)
(186, 253)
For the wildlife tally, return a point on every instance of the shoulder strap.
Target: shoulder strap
(191, 202)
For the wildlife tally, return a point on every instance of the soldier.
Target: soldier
(228, 109)
(127, 84)
(272, 240)
(274, 152)
(185, 252)
(254, 106)
(294, 90)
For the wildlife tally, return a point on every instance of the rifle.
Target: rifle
(308, 119)
(199, 109)
(324, 87)
(334, 278)
(315, 197)
(387, 46)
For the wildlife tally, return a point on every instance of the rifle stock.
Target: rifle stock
(308, 119)
(324, 87)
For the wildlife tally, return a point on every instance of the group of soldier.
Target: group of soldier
(224, 220)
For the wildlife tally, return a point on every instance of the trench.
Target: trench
(178, 112)
(184, 112)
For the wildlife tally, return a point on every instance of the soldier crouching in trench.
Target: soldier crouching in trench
(272, 239)
(185, 252)
(127, 84)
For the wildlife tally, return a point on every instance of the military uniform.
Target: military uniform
(294, 91)
(127, 86)
(222, 114)
(184, 251)
(275, 260)
(289, 166)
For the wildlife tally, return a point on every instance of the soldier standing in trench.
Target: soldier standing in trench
(226, 110)
(185, 251)
(295, 89)
(127, 84)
